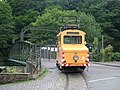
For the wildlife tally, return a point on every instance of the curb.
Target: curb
(35, 76)
(107, 64)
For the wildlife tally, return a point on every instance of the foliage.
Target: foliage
(24, 20)
(65, 4)
(78, 5)
(108, 53)
(25, 12)
(95, 48)
(51, 19)
(90, 26)
(108, 49)
(116, 56)
(20, 7)
(6, 27)
(11, 70)
(95, 45)
(107, 13)
(95, 42)
(95, 16)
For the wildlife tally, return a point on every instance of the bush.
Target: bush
(116, 56)
(107, 52)
(11, 70)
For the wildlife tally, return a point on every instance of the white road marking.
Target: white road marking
(103, 79)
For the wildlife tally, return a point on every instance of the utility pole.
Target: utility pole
(102, 48)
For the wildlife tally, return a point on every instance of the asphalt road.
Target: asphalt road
(101, 77)
(98, 77)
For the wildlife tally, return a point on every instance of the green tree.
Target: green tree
(20, 7)
(51, 20)
(78, 5)
(107, 13)
(6, 27)
(90, 26)
(23, 20)
(95, 49)
(108, 53)
(25, 12)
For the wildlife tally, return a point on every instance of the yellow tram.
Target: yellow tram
(72, 52)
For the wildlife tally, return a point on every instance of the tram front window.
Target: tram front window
(72, 39)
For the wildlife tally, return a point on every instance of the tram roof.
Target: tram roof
(71, 30)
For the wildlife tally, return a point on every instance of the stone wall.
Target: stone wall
(8, 77)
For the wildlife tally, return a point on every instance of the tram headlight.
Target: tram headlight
(75, 57)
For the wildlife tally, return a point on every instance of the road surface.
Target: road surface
(98, 77)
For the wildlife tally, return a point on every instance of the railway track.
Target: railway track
(67, 82)
(86, 81)
(69, 79)
(76, 81)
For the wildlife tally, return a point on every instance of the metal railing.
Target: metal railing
(25, 54)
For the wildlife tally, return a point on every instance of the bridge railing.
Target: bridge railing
(25, 53)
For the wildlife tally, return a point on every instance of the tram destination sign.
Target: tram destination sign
(72, 32)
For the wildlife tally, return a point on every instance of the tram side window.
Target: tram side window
(72, 39)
